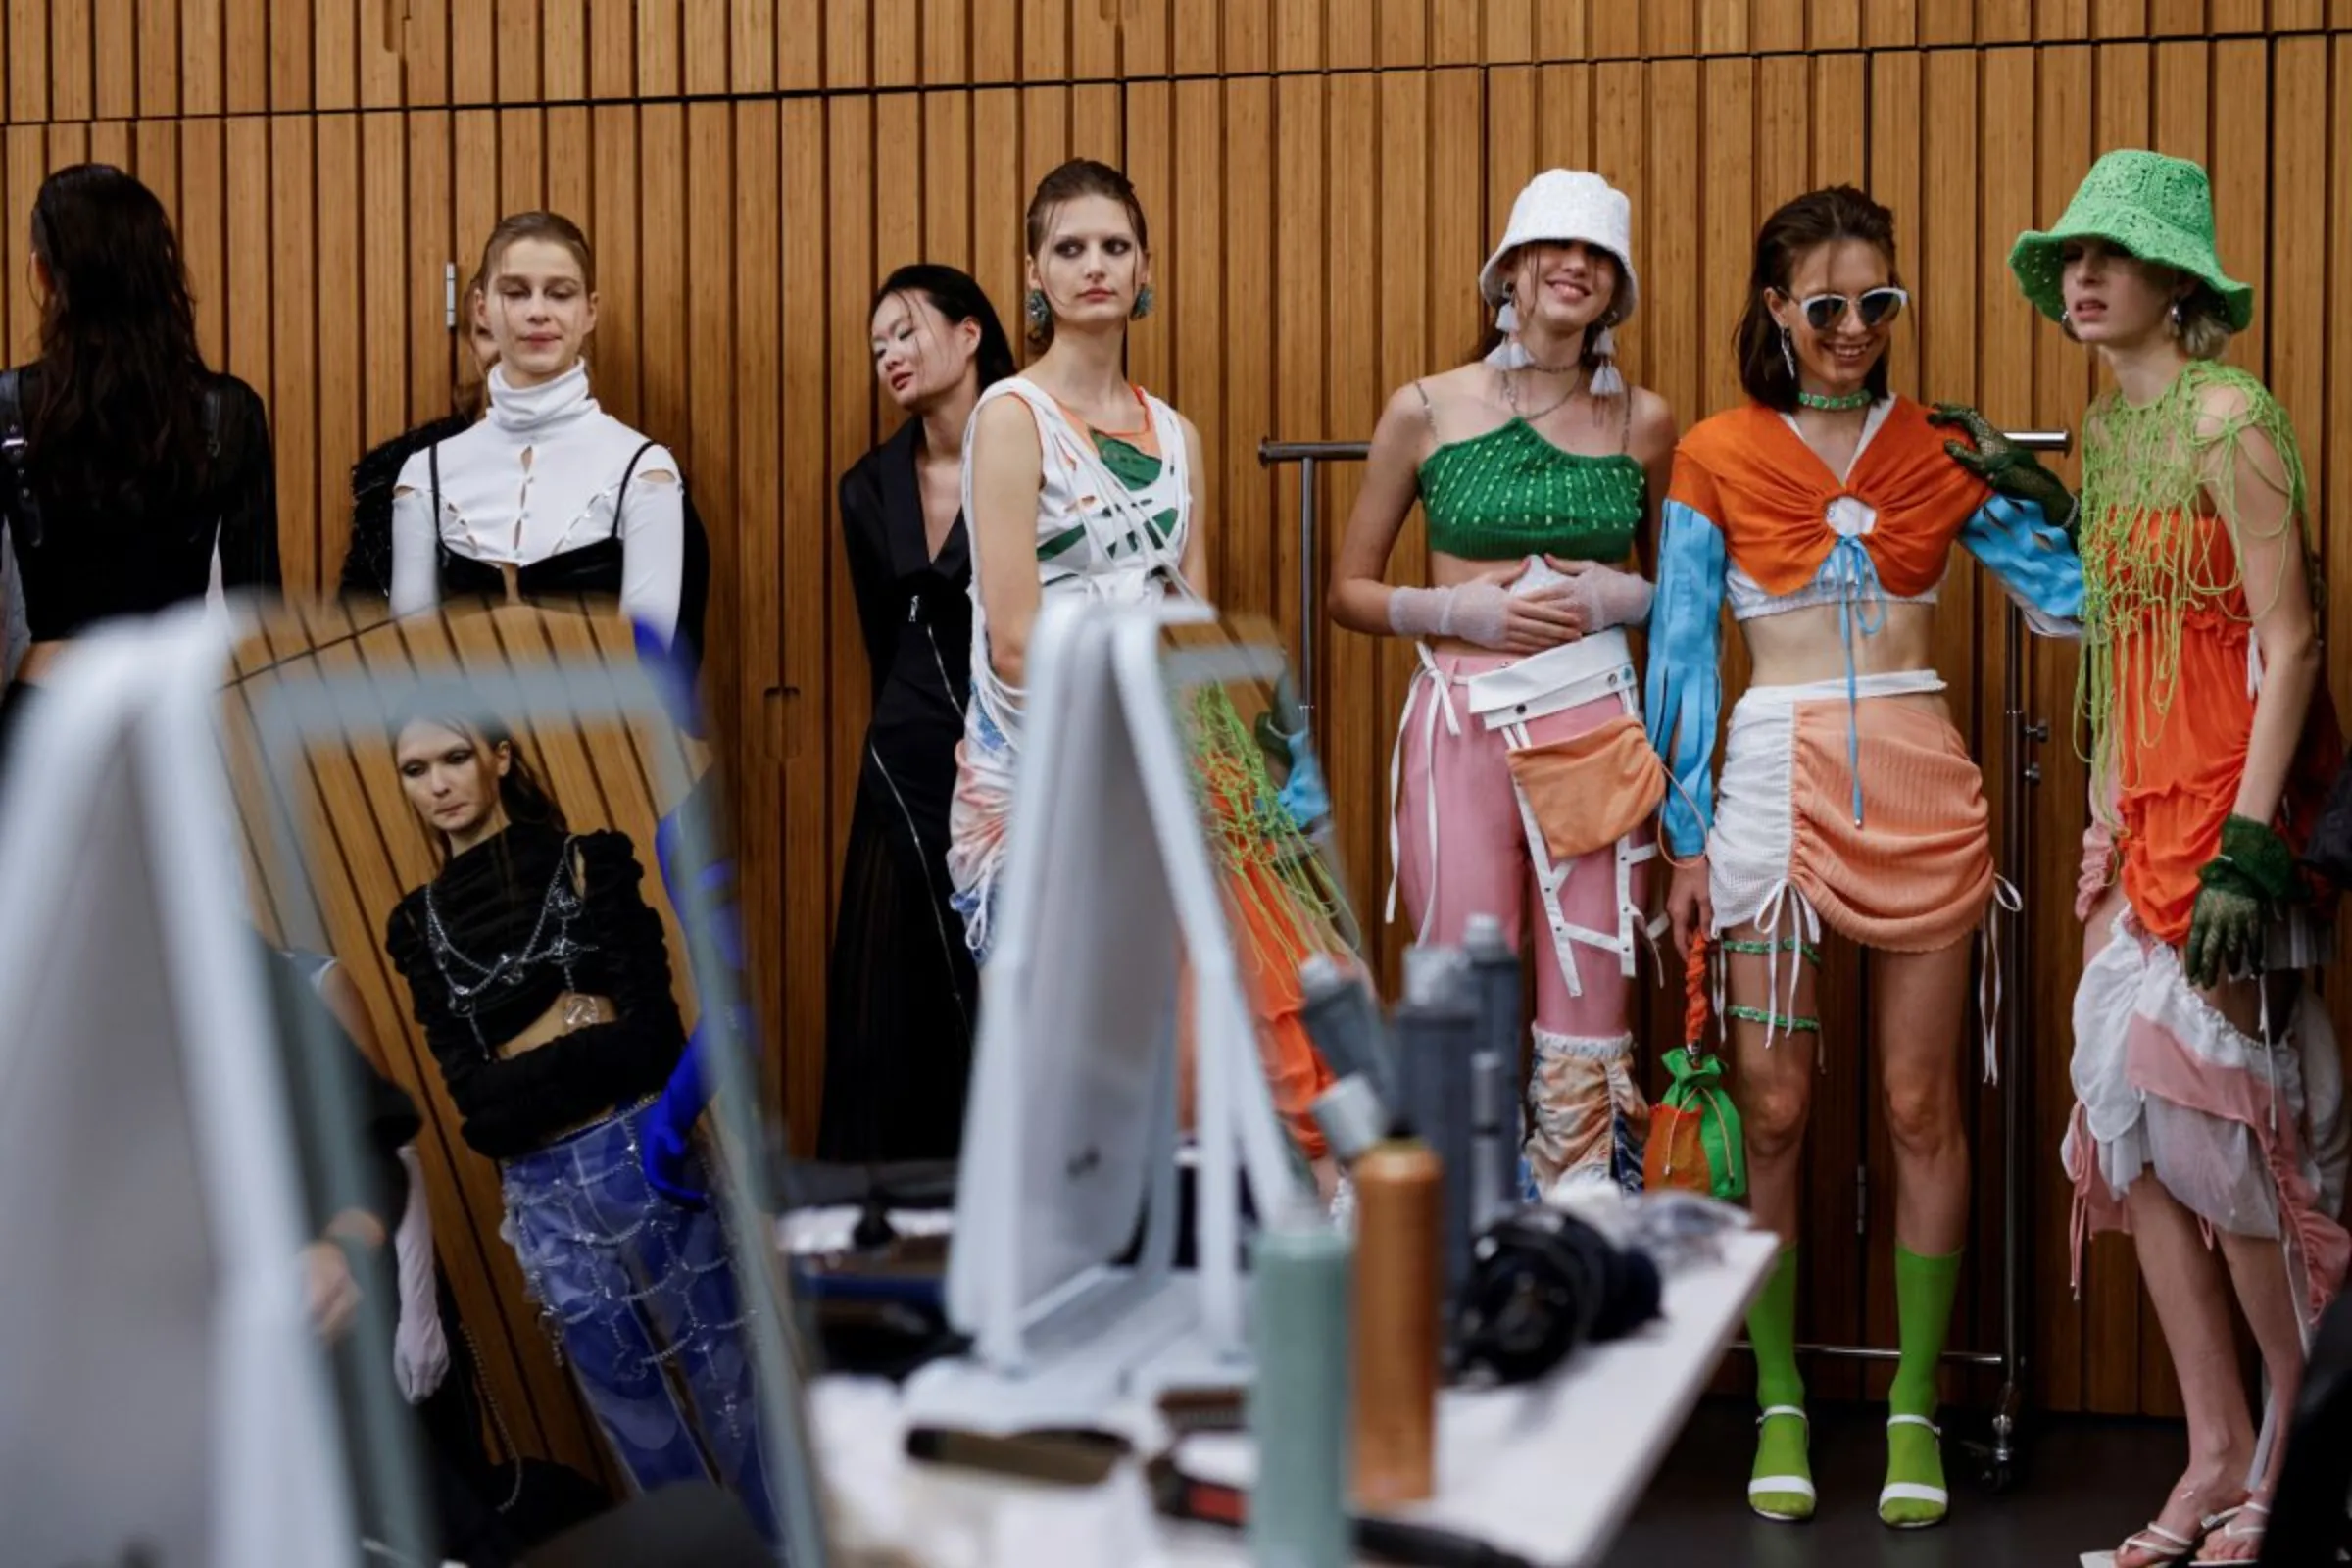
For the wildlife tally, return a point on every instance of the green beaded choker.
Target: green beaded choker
(1843, 403)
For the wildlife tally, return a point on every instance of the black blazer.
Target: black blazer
(897, 583)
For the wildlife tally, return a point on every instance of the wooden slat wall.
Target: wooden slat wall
(1323, 177)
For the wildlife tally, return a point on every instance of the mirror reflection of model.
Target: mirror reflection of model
(541, 979)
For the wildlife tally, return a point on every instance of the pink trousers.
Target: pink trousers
(1464, 842)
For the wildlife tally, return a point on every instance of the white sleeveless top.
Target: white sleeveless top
(1094, 534)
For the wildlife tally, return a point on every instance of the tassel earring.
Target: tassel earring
(1144, 302)
(1607, 380)
(1039, 309)
(1788, 354)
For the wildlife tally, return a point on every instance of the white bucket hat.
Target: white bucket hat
(1560, 204)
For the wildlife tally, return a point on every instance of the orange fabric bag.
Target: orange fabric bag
(1590, 790)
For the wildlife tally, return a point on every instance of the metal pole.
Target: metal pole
(1307, 594)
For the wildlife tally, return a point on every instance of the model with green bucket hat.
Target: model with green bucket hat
(2208, 1099)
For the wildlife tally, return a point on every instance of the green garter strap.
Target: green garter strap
(1773, 1020)
(1796, 945)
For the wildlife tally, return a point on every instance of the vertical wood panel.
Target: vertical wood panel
(28, 61)
(619, 187)
(947, 45)
(751, 44)
(516, 66)
(431, 245)
(999, 201)
(658, 66)
(948, 193)
(1197, 33)
(1511, 32)
(1301, 294)
(612, 50)
(1148, 140)
(290, 62)
(199, 54)
(1354, 732)
(424, 43)
(2240, 170)
(335, 54)
(1403, 33)
(897, 57)
(806, 548)
(1726, 233)
(473, 53)
(157, 56)
(996, 43)
(1833, 25)
(1245, 565)
(756, 776)
(340, 372)
(384, 317)
(1298, 36)
(850, 191)
(1454, 34)
(1247, 48)
(1350, 33)
(294, 269)
(1044, 39)
(565, 49)
(73, 91)
(1723, 26)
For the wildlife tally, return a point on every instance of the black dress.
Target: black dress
(902, 992)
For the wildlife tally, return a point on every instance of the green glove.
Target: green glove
(2005, 465)
(2241, 890)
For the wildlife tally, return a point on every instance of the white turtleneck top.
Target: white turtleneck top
(541, 475)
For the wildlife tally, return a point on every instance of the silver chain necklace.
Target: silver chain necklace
(1511, 395)
(559, 903)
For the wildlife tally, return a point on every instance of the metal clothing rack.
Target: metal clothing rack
(2019, 779)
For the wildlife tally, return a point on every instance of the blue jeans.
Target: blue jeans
(640, 1294)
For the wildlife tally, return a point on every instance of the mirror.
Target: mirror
(486, 866)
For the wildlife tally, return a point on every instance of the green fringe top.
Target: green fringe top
(2153, 475)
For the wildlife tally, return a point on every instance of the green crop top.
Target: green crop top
(1511, 492)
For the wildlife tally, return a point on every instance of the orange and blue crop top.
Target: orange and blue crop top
(1755, 515)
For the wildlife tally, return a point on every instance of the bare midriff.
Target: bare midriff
(1805, 646)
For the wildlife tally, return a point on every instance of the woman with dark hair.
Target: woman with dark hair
(367, 556)
(549, 495)
(2208, 1115)
(902, 991)
(1536, 467)
(128, 463)
(541, 979)
(1826, 509)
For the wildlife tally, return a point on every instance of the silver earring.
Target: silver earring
(1040, 309)
(1143, 304)
(1788, 352)
(2180, 316)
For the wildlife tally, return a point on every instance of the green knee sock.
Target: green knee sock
(1924, 1288)
(1779, 1441)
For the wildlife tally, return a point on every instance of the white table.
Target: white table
(1549, 1470)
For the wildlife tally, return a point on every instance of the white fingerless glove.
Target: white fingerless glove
(1611, 598)
(1474, 612)
(420, 1349)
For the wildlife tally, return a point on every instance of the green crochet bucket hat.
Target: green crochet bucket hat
(2159, 209)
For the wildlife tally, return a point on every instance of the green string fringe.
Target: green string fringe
(2148, 473)
(1257, 843)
